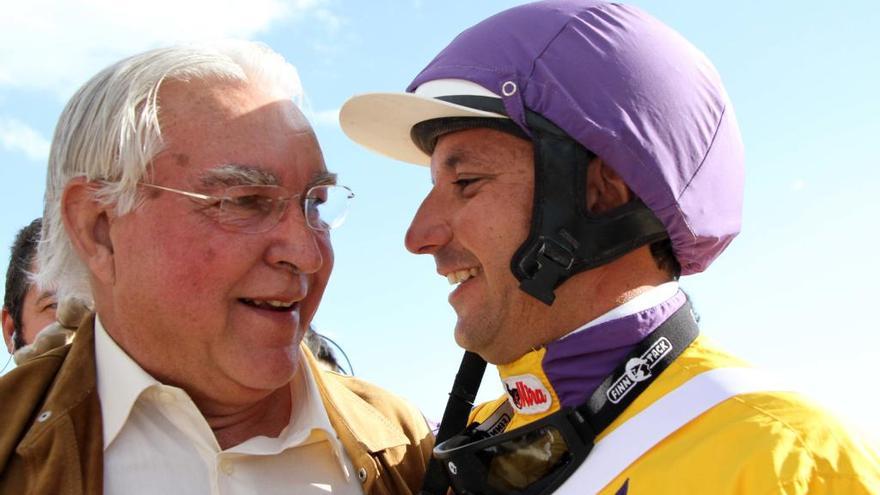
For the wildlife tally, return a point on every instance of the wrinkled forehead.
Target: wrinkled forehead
(218, 100)
(233, 133)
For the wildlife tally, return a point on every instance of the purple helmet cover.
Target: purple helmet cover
(631, 90)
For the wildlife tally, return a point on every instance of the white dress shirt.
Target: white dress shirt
(157, 442)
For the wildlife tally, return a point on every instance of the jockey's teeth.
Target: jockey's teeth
(271, 303)
(460, 276)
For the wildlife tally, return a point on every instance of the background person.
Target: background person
(583, 156)
(322, 348)
(26, 310)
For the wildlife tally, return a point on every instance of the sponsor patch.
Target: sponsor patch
(638, 369)
(527, 394)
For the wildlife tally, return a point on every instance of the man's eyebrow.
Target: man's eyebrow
(45, 295)
(452, 161)
(322, 178)
(238, 175)
(454, 158)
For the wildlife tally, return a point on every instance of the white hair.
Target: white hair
(109, 132)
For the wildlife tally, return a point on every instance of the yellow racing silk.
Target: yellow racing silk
(756, 443)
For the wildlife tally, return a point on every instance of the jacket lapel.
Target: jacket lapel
(364, 432)
(64, 446)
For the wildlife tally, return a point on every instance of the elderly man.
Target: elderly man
(188, 197)
(583, 155)
(26, 310)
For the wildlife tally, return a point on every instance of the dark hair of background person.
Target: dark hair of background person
(17, 275)
(321, 349)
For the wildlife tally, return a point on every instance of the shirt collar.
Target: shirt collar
(315, 414)
(119, 393)
(308, 423)
(646, 300)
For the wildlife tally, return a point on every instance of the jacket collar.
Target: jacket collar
(74, 384)
(76, 380)
(368, 427)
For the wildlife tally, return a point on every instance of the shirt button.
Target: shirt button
(226, 467)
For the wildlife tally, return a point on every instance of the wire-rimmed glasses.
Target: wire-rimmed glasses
(258, 208)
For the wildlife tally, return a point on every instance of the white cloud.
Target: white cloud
(327, 118)
(19, 137)
(330, 20)
(57, 44)
(798, 185)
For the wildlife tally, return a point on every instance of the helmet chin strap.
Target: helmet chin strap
(564, 237)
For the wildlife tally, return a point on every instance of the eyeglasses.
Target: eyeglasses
(255, 209)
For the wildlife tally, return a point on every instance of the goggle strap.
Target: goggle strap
(458, 406)
(654, 354)
(583, 426)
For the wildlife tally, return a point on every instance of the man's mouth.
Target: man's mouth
(459, 276)
(270, 304)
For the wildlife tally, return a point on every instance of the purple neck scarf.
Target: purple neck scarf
(577, 364)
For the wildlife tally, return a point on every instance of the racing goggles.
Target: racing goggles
(532, 460)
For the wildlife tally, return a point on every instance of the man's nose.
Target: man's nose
(429, 230)
(296, 244)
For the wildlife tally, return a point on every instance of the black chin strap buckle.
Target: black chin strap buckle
(553, 251)
(546, 264)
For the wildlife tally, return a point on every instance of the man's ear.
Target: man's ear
(8, 328)
(88, 225)
(605, 189)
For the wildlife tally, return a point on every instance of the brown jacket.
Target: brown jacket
(51, 430)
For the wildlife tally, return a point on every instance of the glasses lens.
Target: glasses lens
(327, 206)
(520, 462)
(251, 208)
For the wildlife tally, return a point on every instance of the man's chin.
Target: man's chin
(268, 369)
(470, 339)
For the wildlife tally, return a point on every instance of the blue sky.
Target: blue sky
(795, 293)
